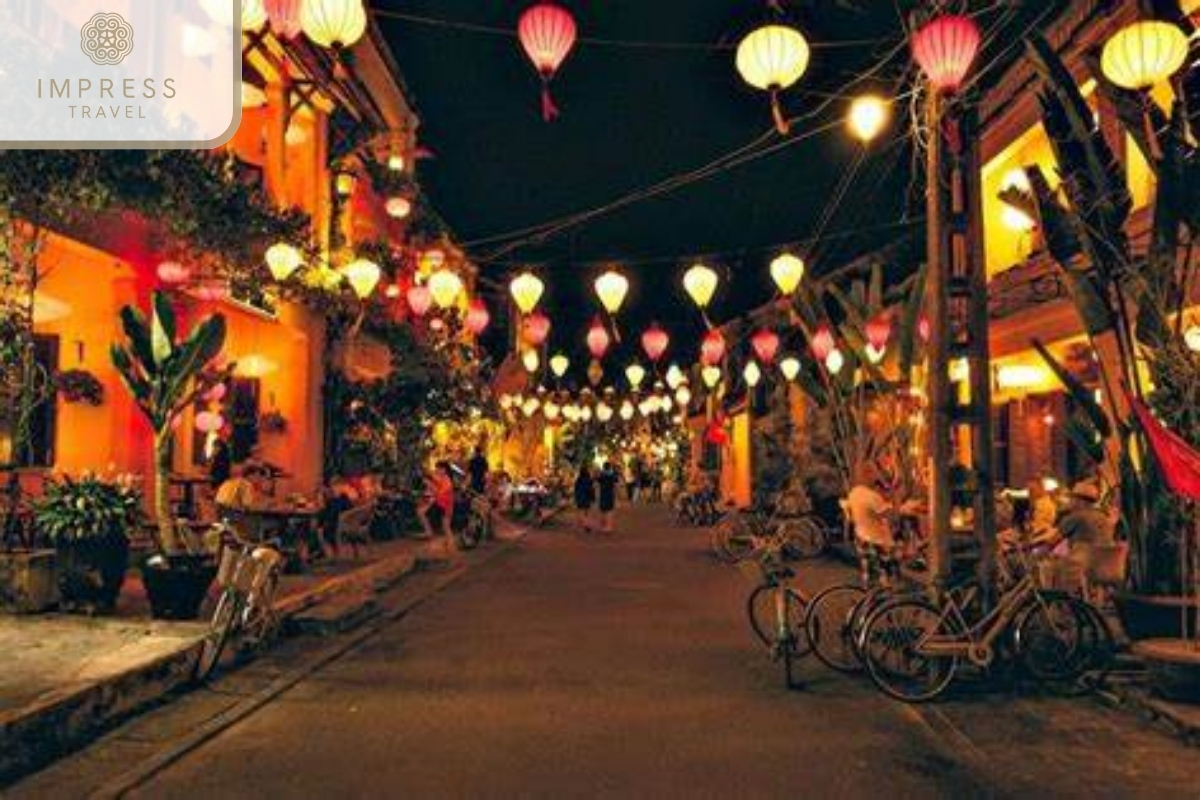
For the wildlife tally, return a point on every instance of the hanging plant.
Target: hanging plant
(79, 386)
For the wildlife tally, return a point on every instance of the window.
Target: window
(42, 425)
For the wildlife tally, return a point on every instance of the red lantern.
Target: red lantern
(537, 328)
(823, 343)
(766, 344)
(879, 330)
(477, 316)
(598, 339)
(547, 33)
(284, 16)
(419, 299)
(924, 329)
(655, 342)
(716, 433)
(945, 49)
(712, 348)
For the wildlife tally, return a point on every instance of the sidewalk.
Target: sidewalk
(66, 677)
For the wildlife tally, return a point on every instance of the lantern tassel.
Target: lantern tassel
(550, 111)
(781, 123)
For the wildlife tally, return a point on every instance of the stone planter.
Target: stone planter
(91, 573)
(177, 585)
(1172, 668)
(1145, 616)
(29, 581)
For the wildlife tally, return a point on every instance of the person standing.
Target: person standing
(585, 497)
(607, 485)
(478, 469)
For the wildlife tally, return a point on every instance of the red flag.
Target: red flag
(1179, 461)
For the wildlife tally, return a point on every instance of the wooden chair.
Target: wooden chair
(354, 527)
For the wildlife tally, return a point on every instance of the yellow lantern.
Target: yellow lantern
(711, 376)
(752, 374)
(611, 288)
(526, 290)
(559, 365)
(675, 377)
(445, 287)
(790, 367)
(363, 276)
(635, 373)
(683, 396)
(787, 271)
(551, 410)
(868, 116)
(531, 406)
(604, 412)
(283, 260)
(700, 282)
(772, 58)
(835, 361)
(627, 411)
(1143, 54)
(334, 23)
(531, 361)
(585, 413)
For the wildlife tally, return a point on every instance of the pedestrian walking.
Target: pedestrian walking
(631, 478)
(585, 497)
(607, 485)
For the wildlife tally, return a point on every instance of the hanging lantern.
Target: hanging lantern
(879, 331)
(711, 376)
(445, 286)
(398, 207)
(924, 329)
(559, 365)
(772, 58)
(595, 373)
(283, 259)
(531, 361)
(604, 412)
(431, 260)
(547, 33)
(530, 406)
(363, 276)
(284, 16)
(336, 24)
(212, 289)
(715, 433)
(635, 373)
(675, 377)
(551, 410)
(822, 343)
(254, 15)
(535, 328)
(683, 396)
(790, 367)
(655, 342)
(1191, 338)
(598, 339)
(611, 288)
(752, 374)
(172, 272)
(209, 422)
(945, 49)
(1144, 53)
(419, 299)
(478, 317)
(526, 290)
(627, 411)
(787, 271)
(712, 348)
(835, 361)
(766, 345)
(700, 282)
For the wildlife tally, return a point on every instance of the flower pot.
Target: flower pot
(1172, 668)
(177, 585)
(28, 581)
(91, 572)
(1146, 616)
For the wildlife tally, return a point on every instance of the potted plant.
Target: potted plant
(165, 371)
(87, 520)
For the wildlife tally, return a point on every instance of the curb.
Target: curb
(1124, 694)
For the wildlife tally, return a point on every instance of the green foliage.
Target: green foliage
(87, 508)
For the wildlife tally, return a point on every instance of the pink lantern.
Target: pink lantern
(172, 272)
(598, 339)
(823, 343)
(477, 316)
(766, 344)
(215, 393)
(712, 348)
(209, 422)
(537, 328)
(924, 329)
(879, 330)
(945, 48)
(284, 16)
(212, 290)
(655, 341)
(419, 299)
(547, 34)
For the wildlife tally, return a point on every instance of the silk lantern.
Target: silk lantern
(283, 259)
(879, 331)
(711, 376)
(1144, 53)
(285, 17)
(790, 367)
(772, 58)
(655, 342)
(635, 373)
(675, 376)
(478, 317)
(363, 276)
(945, 49)
(700, 282)
(419, 299)
(752, 374)
(611, 288)
(172, 272)
(531, 361)
(536, 328)
(547, 33)
(766, 345)
(526, 290)
(445, 287)
(336, 24)
(712, 348)
(598, 340)
(822, 343)
(559, 365)
(787, 270)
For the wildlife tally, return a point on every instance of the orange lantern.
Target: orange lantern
(547, 33)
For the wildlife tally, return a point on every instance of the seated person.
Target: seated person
(243, 489)
(869, 512)
(1085, 525)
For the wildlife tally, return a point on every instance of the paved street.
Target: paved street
(582, 666)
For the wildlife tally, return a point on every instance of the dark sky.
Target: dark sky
(632, 117)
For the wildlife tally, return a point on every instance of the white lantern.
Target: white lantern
(700, 282)
(334, 23)
(752, 374)
(445, 287)
(531, 361)
(283, 259)
(790, 367)
(363, 276)
(635, 373)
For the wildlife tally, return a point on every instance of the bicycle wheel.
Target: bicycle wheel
(892, 646)
(827, 624)
(802, 538)
(734, 543)
(1056, 641)
(760, 608)
(224, 620)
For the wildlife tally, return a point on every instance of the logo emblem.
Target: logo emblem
(107, 39)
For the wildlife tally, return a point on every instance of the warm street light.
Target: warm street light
(787, 270)
(752, 374)
(363, 276)
(531, 361)
(611, 288)
(1143, 54)
(635, 373)
(445, 286)
(283, 260)
(559, 364)
(868, 116)
(711, 376)
(336, 24)
(700, 282)
(790, 367)
(526, 290)
(772, 58)
(945, 49)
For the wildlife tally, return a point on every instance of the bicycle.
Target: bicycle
(776, 610)
(245, 613)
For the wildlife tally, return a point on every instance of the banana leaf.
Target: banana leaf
(137, 331)
(1082, 397)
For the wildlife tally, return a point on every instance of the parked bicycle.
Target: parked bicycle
(776, 610)
(742, 533)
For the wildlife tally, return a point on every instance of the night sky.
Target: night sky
(634, 116)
